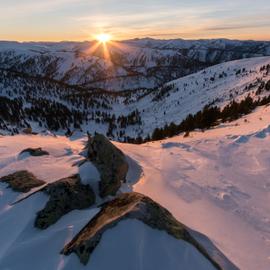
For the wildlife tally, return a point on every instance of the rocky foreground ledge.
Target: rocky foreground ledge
(129, 206)
(65, 195)
(22, 181)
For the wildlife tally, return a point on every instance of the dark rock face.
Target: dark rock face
(129, 206)
(110, 162)
(22, 181)
(35, 152)
(65, 195)
(27, 131)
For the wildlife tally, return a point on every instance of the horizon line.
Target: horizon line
(135, 38)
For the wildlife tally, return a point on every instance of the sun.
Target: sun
(103, 38)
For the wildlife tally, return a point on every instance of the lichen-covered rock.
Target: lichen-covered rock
(129, 206)
(110, 162)
(22, 181)
(36, 152)
(65, 195)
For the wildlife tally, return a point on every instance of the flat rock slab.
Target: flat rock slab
(110, 162)
(129, 206)
(22, 181)
(65, 195)
(35, 152)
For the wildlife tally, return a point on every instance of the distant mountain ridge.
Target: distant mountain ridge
(132, 64)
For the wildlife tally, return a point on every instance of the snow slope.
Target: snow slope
(140, 247)
(125, 65)
(130, 245)
(216, 182)
(217, 85)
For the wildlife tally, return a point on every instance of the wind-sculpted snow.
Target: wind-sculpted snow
(209, 181)
(129, 245)
(216, 182)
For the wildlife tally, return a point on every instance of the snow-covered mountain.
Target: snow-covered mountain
(46, 104)
(124, 65)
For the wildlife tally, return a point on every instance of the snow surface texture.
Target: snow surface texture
(216, 182)
(130, 245)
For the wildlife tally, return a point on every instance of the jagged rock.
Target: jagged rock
(36, 152)
(110, 162)
(129, 206)
(65, 195)
(22, 181)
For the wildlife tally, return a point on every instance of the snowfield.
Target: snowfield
(216, 182)
(131, 245)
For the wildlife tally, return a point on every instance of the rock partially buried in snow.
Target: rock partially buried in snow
(36, 152)
(22, 181)
(110, 162)
(129, 206)
(65, 195)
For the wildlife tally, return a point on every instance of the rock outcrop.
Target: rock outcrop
(110, 162)
(35, 152)
(22, 181)
(65, 195)
(129, 206)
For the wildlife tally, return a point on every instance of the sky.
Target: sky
(57, 20)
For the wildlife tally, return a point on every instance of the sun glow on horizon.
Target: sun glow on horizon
(103, 37)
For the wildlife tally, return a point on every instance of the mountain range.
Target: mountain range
(139, 86)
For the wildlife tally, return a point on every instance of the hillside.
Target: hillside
(44, 104)
(215, 182)
(125, 65)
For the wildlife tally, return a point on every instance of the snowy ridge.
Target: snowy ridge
(131, 64)
(174, 101)
(217, 85)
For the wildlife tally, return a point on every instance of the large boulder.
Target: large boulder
(65, 195)
(129, 206)
(110, 162)
(22, 181)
